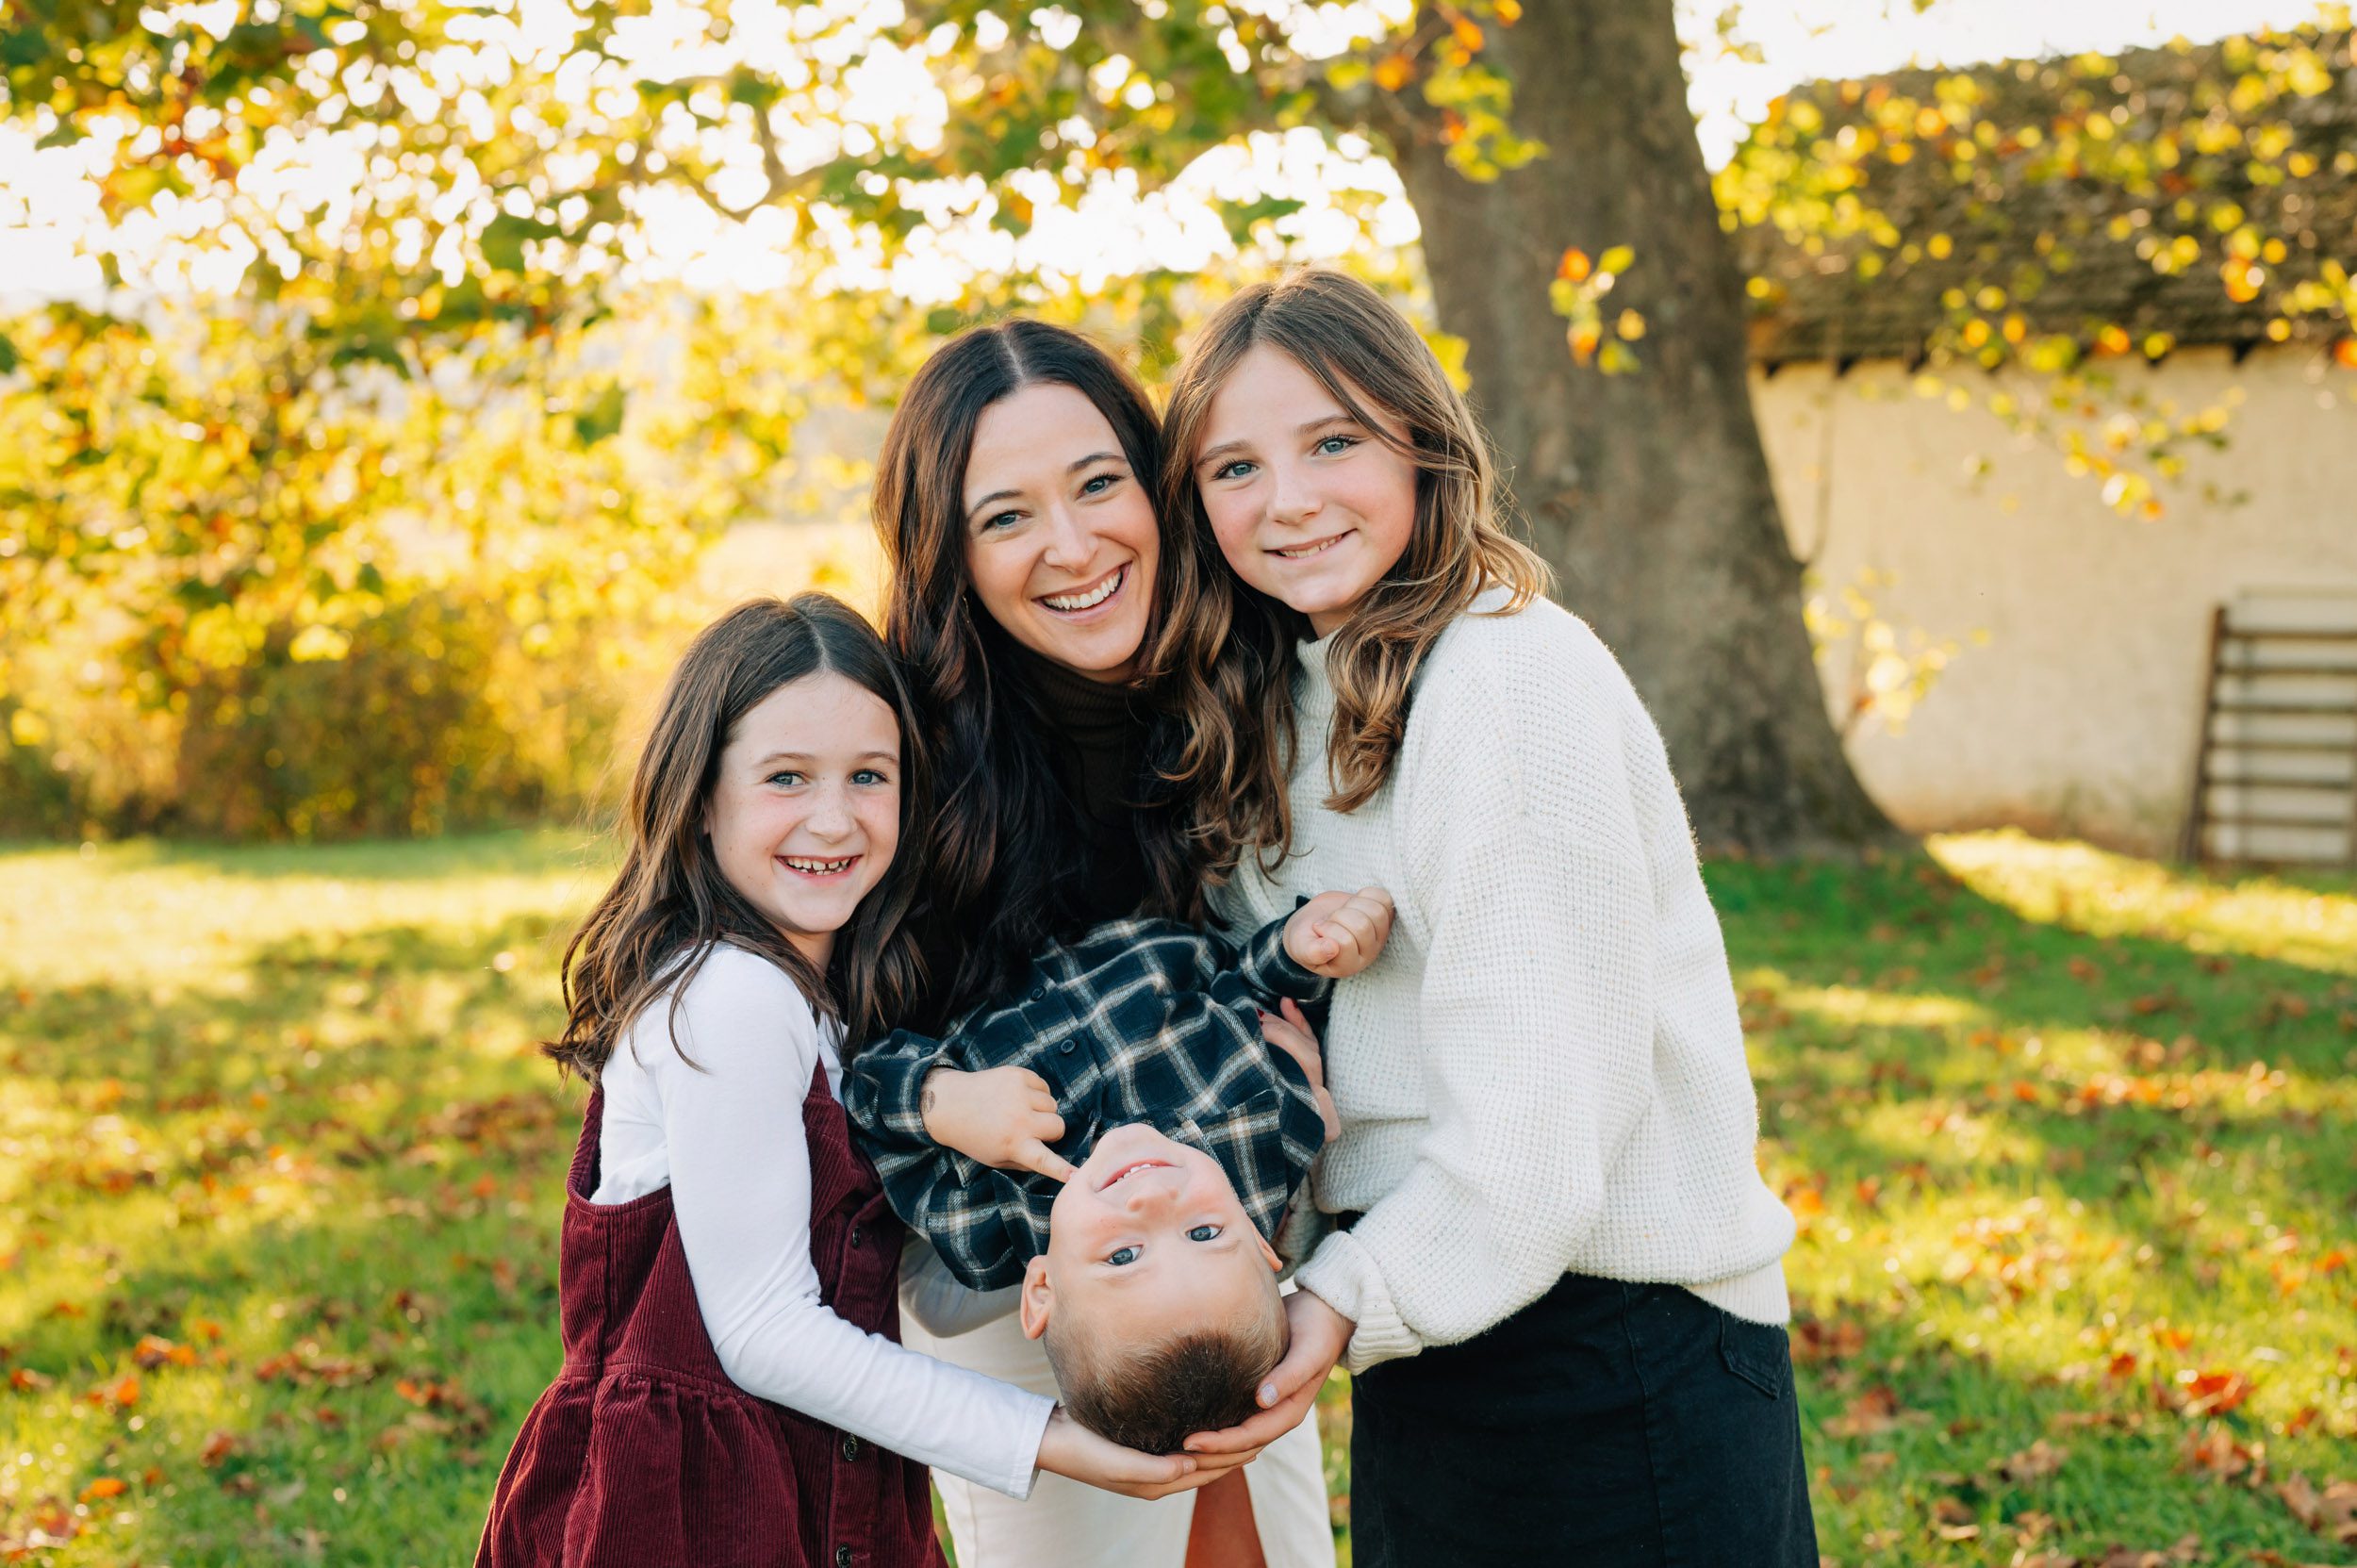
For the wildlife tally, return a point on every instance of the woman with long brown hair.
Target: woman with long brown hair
(1552, 1267)
(1015, 498)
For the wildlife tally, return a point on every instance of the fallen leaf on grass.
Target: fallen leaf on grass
(218, 1447)
(2186, 1550)
(2033, 1463)
(25, 1378)
(151, 1352)
(2207, 1393)
(1819, 1339)
(1873, 1412)
(2216, 1450)
(2331, 1512)
(103, 1488)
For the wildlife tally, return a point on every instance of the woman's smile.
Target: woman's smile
(1101, 596)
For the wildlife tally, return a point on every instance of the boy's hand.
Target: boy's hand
(1289, 1030)
(1337, 934)
(1005, 1118)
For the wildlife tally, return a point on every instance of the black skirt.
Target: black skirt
(1606, 1424)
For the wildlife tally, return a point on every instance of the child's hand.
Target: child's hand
(1003, 1117)
(1337, 934)
(1290, 1033)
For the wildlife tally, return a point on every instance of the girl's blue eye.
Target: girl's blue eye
(1122, 1256)
(1001, 520)
(1205, 1233)
(1234, 469)
(785, 780)
(1333, 445)
(1099, 484)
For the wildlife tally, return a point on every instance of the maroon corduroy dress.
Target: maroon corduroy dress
(642, 1453)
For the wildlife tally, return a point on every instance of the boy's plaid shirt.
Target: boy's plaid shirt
(1136, 1020)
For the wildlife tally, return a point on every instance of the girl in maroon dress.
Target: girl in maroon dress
(733, 1390)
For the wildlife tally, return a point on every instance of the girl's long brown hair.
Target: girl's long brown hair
(670, 900)
(1002, 872)
(1231, 663)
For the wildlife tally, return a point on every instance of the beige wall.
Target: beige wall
(2080, 713)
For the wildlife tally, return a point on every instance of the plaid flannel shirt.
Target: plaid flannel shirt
(1137, 1020)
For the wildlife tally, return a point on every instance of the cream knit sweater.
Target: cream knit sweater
(1545, 1072)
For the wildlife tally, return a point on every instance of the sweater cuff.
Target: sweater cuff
(884, 1088)
(1269, 970)
(1345, 1277)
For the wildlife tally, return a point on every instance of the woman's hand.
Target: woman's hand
(1320, 1336)
(1337, 934)
(1005, 1118)
(1289, 1030)
(1068, 1448)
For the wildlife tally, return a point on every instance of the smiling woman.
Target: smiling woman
(1061, 540)
(1030, 597)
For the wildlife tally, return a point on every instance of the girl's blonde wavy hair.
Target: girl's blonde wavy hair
(1229, 660)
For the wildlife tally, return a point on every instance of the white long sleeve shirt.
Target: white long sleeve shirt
(1544, 1071)
(728, 1139)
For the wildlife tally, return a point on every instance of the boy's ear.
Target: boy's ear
(1276, 1263)
(1037, 1300)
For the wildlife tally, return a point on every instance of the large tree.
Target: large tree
(1648, 491)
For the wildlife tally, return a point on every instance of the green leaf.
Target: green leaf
(8, 361)
(1242, 216)
(602, 416)
(504, 240)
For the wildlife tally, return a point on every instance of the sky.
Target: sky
(47, 199)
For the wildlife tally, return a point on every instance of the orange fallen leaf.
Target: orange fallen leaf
(218, 1445)
(103, 1488)
(2207, 1393)
(1873, 1411)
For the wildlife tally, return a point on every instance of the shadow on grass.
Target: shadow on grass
(332, 1181)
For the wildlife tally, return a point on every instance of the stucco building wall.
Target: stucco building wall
(2080, 713)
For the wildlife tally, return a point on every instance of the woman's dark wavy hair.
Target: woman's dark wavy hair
(671, 897)
(1001, 871)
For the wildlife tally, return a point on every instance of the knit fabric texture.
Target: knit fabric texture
(1544, 1071)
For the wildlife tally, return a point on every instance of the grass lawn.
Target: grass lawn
(2072, 1139)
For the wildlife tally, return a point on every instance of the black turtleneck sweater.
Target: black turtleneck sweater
(1097, 738)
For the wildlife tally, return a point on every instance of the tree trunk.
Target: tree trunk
(1648, 491)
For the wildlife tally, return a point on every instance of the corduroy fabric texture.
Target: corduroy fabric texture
(642, 1453)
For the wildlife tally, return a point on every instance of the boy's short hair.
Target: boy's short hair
(1152, 1397)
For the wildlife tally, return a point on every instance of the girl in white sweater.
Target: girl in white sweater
(1547, 1256)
